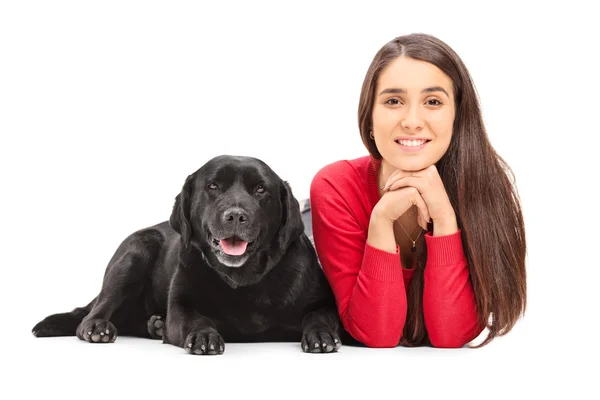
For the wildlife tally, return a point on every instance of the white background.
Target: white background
(106, 107)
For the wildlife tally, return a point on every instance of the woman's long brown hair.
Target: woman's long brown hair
(481, 188)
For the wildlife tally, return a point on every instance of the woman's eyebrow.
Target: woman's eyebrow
(435, 89)
(426, 90)
(392, 90)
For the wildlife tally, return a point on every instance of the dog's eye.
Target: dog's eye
(213, 186)
(260, 189)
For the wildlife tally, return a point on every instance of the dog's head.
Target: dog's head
(240, 214)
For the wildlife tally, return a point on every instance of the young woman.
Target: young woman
(423, 240)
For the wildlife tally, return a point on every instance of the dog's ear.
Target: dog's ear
(180, 216)
(291, 221)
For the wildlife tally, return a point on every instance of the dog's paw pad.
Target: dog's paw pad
(156, 324)
(97, 331)
(320, 342)
(207, 342)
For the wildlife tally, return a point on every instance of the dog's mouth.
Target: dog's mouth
(232, 246)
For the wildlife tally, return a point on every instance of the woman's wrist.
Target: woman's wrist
(381, 233)
(445, 226)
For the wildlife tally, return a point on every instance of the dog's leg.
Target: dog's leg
(126, 291)
(193, 332)
(156, 326)
(185, 326)
(122, 289)
(320, 331)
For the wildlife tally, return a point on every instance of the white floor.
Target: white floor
(511, 367)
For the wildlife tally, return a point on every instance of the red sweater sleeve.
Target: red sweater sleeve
(449, 308)
(367, 282)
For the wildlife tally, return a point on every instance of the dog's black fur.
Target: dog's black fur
(175, 281)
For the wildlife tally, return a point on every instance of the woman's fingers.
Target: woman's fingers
(410, 182)
(397, 174)
(418, 201)
(394, 203)
(421, 222)
(405, 182)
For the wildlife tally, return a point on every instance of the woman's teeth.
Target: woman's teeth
(411, 143)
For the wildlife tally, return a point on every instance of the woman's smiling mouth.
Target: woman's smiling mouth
(412, 144)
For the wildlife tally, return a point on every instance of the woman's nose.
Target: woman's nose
(412, 120)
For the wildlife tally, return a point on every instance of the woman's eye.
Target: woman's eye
(434, 102)
(213, 186)
(260, 189)
(393, 102)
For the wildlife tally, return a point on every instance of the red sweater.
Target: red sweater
(369, 284)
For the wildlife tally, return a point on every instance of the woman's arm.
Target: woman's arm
(367, 281)
(449, 307)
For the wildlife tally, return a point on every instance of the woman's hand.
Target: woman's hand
(430, 187)
(396, 202)
(387, 210)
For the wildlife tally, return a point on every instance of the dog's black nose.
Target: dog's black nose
(235, 215)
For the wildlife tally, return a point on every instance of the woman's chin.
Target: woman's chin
(411, 165)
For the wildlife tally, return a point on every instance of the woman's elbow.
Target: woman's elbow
(379, 338)
(382, 341)
(380, 332)
(447, 342)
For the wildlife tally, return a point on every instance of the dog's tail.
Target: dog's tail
(63, 324)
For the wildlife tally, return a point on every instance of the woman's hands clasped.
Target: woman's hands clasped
(423, 189)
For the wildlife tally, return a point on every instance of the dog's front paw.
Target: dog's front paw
(156, 325)
(320, 341)
(97, 331)
(204, 342)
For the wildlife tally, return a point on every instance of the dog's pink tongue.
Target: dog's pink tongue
(234, 246)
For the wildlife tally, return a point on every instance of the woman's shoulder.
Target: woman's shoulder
(343, 181)
(344, 171)
(341, 190)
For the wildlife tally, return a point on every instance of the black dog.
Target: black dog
(232, 264)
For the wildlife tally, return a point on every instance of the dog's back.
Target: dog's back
(235, 249)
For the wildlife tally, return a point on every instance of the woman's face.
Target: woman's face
(413, 114)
